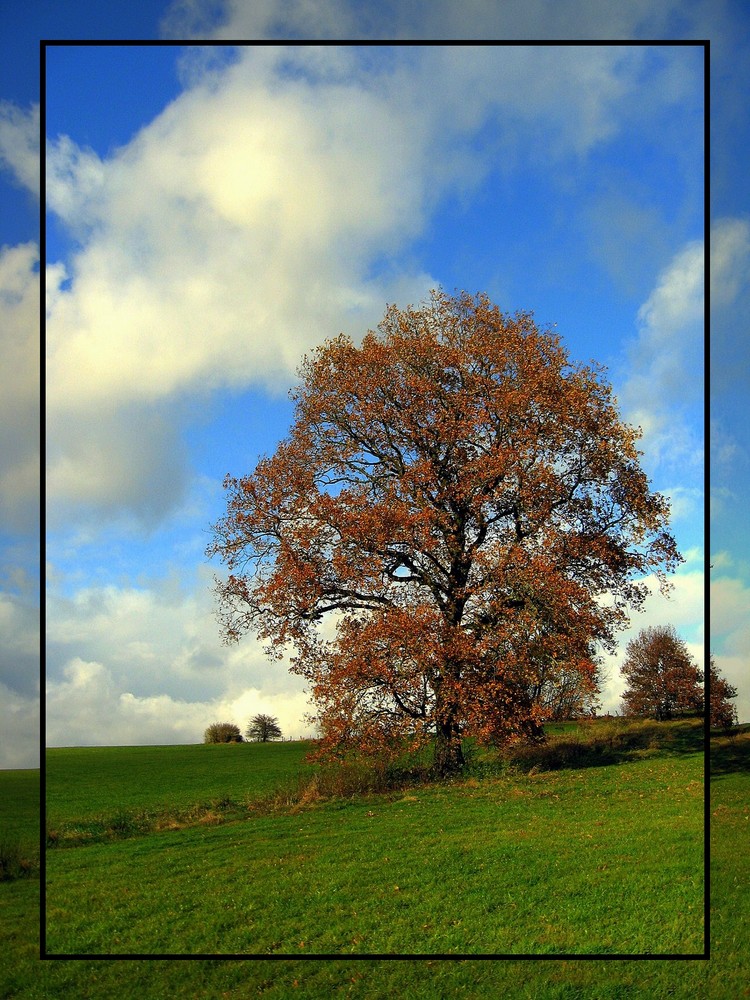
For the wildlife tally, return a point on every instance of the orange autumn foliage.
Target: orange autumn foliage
(721, 714)
(663, 679)
(452, 499)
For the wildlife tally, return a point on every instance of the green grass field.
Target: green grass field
(602, 856)
(88, 788)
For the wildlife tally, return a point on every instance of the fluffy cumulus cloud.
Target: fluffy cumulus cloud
(271, 205)
(19, 387)
(730, 629)
(19, 671)
(242, 226)
(145, 665)
(232, 234)
(19, 143)
(663, 377)
(433, 19)
(87, 707)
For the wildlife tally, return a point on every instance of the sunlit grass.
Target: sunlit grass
(726, 976)
(597, 860)
(88, 782)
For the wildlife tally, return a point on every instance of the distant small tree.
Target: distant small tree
(222, 732)
(722, 715)
(662, 677)
(263, 728)
(568, 691)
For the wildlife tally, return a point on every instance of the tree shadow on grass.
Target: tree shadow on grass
(730, 753)
(610, 744)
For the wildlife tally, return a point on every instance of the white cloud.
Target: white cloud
(73, 182)
(664, 368)
(730, 260)
(730, 635)
(87, 707)
(427, 19)
(676, 302)
(19, 648)
(270, 206)
(232, 234)
(19, 144)
(19, 723)
(144, 665)
(19, 387)
(117, 461)
(242, 225)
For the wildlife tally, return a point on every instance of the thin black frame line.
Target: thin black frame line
(376, 42)
(706, 515)
(42, 532)
(367, 957)
(176, 43)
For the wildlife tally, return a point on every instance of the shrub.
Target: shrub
(222, 732)
(14, 861)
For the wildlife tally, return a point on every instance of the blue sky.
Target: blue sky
(213, 215)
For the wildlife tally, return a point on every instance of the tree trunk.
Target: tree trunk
(449, 755)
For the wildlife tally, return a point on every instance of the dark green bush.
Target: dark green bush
(15, 861)
(222, 732)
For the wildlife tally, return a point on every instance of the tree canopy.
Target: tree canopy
(453, 501)
(263, 728)
(662, 677)
(722, 714)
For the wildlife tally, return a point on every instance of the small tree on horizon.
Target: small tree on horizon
(721, 714)
(222, 732)
(663, 679)
(263, 729)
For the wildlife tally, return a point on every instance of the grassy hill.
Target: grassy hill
(86, 784)
(594, 847)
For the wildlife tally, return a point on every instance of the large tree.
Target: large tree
(452, 501)
(662, 677)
